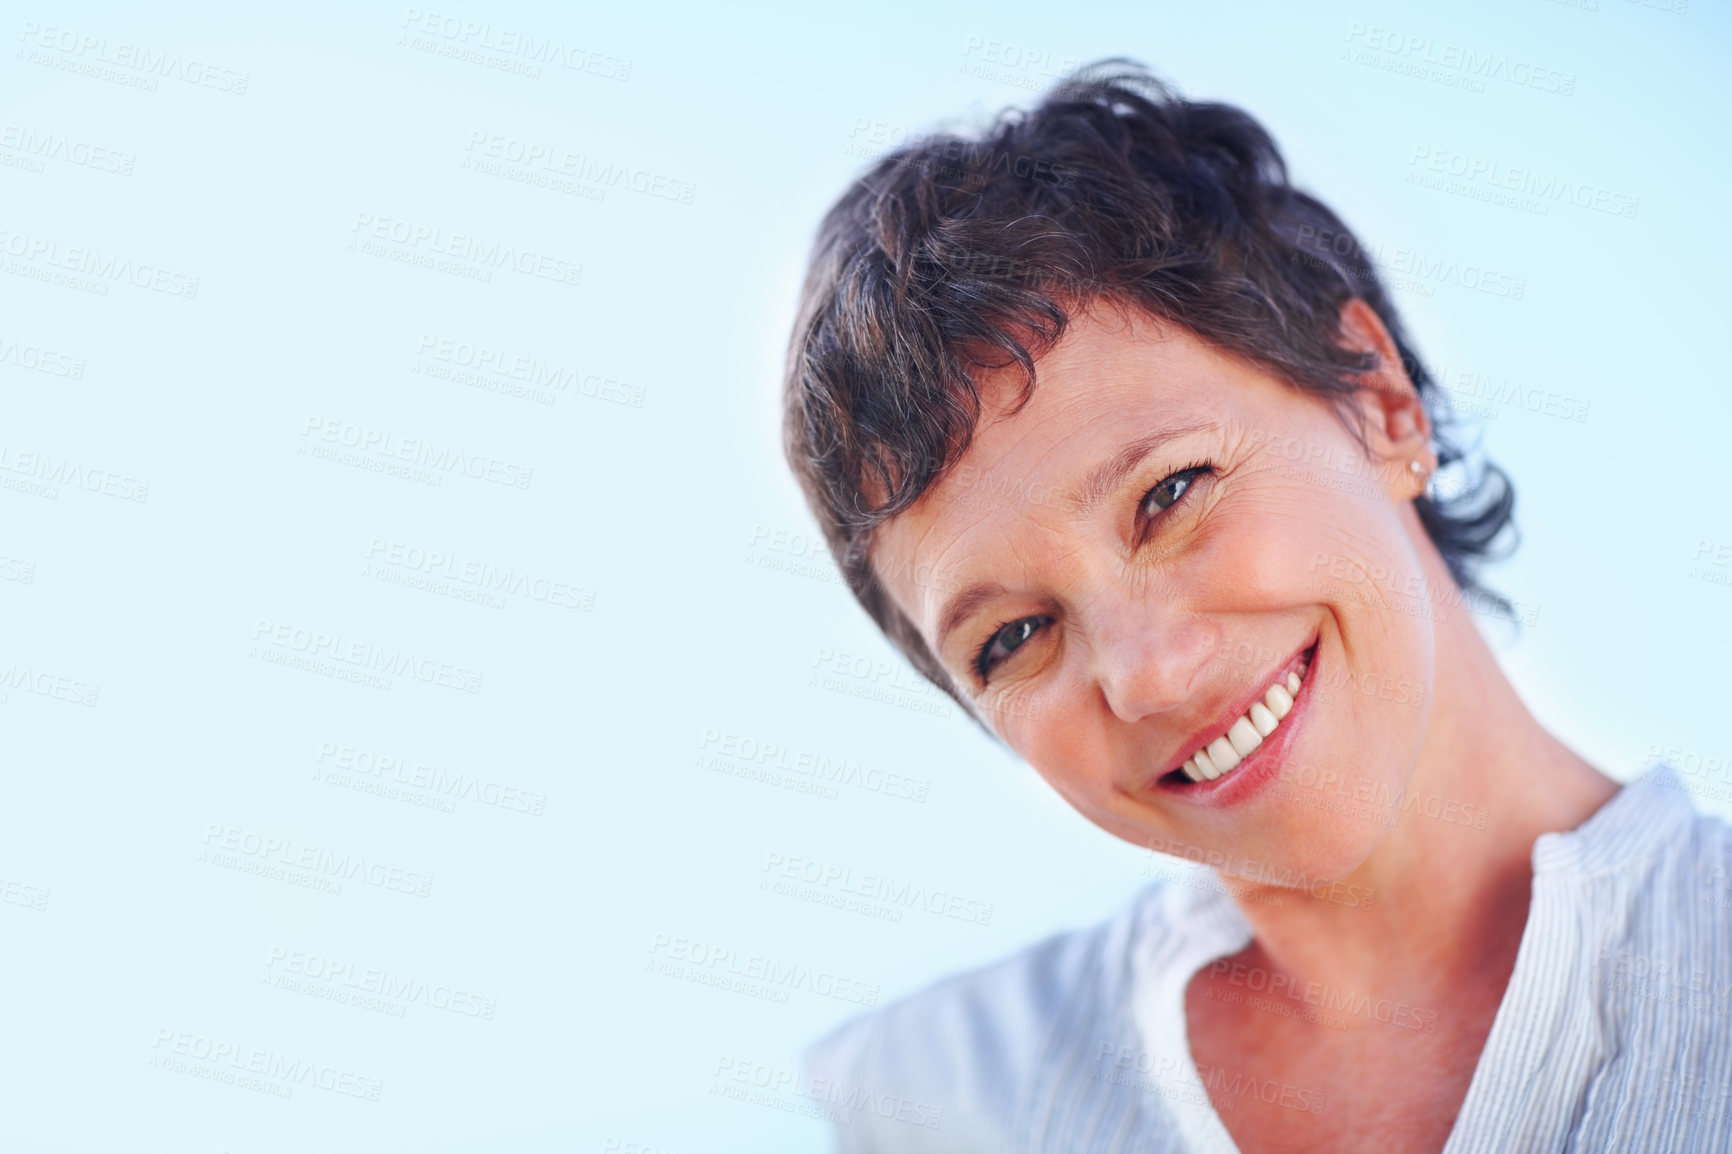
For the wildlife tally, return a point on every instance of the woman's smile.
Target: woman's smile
(1252, 741)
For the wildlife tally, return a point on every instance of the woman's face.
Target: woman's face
(1117, 573)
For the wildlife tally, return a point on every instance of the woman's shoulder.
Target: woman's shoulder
(1646, 883)
(1682, 868)
(1637, 969)
(958, 1057)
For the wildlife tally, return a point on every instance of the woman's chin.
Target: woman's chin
(1305, 855)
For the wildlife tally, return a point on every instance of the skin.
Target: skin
(1150, 623)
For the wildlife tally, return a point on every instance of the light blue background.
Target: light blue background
(678, 517)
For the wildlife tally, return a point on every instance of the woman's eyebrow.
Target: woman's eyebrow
(1107, 476)
(962, 606)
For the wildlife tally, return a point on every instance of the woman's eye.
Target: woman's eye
(1166, 494)
(1004, 642)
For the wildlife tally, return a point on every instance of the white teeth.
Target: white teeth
(1244, 737)
(1223, 755)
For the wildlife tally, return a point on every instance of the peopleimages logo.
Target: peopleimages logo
(288, 969)
(87, 53)
(1420, 269)
(372, 232)
(221, 1060)
(707, 963)
(45, 683)
(387, 446)
(285, 640)
(881, 889)
(727, 751)
(38, 147)
(744, 1072)
(40, 360)
(52, 471)
(527, 48)
(380, 772)
(1422, 56)
(496, 369)
(1330, 999)
(1544, 188)
(479, 574)
(315, 860)
(110, 267)
(548, 160)
(879, 680)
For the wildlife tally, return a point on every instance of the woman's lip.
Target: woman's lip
(1250, 698)
(1260, 766)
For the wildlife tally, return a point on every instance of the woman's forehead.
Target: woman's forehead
(1102, 390)
(1106, 362)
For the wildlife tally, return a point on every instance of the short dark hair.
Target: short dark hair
(954, 255)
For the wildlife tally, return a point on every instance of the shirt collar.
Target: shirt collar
(1640, 818)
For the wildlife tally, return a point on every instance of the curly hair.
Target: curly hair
(954, 255)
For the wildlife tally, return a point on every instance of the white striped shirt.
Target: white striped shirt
(1615, 1032)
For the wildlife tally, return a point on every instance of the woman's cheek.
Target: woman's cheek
(1022, 713)
(1263, 549)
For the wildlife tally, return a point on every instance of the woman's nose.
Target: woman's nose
(1150, 659)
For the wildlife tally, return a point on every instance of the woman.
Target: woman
(1115, 434)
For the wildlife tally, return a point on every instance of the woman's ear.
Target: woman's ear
(1396, 424)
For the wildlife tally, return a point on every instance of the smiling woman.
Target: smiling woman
(1152, 483)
